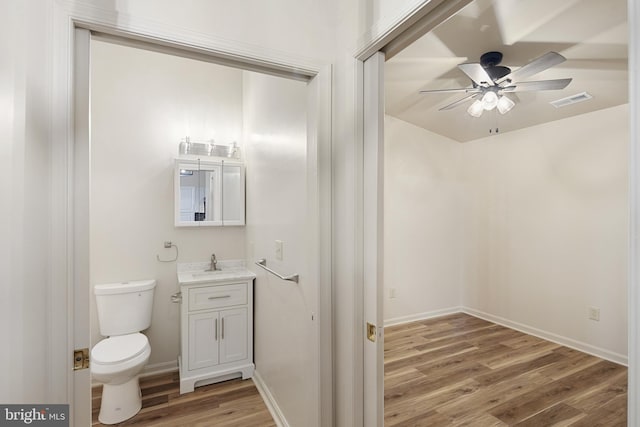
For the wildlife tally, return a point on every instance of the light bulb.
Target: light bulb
(489, 100)
(475, 109)
(505, 104)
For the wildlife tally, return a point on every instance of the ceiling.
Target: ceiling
(591, 34)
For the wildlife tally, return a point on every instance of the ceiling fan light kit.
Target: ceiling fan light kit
(505, 104)
(476, 108)
(490, 81)
(488, 102)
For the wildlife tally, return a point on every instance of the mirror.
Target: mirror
(208, 193)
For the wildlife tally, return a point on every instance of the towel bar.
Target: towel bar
(263, 263)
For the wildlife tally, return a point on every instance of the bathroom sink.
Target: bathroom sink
(209, 273)
(203, 276)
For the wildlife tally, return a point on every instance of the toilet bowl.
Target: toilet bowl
(124, 309)
(116, 363)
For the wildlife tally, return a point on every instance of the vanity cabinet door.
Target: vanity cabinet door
(233, 335)
(203, 340)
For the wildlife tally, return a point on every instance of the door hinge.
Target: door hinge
(80, 359)
(371, 332)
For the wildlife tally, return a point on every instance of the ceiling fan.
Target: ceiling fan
(492, 81)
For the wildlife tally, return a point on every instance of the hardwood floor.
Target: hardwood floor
(454, 370)
(234, 403)
(459, 370)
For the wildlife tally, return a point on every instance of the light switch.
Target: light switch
(279, 250)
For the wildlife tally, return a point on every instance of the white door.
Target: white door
(233, 335)
(373, 255)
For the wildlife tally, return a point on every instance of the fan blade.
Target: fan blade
(477, 74)
(539, 85)
(462, 89)
(547, 60)
(458, 102)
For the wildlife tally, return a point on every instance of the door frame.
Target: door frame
(70, 153)
(422, 17)
(373, 238)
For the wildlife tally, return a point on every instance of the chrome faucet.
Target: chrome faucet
(214, 263)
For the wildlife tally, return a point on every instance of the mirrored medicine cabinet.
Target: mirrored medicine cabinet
(209, 193)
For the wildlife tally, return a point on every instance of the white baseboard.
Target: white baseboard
(421, 316)
(269, 400)
(549, 336)
(159, 368)
(149, 370)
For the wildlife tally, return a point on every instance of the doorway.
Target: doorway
(317, 210)
(141, 101)
(478, 270)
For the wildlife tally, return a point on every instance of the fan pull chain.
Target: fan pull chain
(495, 130)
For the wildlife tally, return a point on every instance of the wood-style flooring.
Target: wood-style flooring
(233, 403)
(459, 370)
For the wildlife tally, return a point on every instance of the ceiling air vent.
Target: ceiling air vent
(573, 99)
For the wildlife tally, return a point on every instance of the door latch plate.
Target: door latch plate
(371, 332)
(80, 359)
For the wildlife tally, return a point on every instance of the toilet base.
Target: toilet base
(120, 402)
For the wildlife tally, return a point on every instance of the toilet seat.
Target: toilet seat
(119, 349)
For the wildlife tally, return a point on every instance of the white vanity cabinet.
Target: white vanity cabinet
(216, 331)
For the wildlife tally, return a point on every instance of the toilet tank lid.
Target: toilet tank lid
(124, 287)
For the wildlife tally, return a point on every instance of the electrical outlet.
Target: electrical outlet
(392, 293)
(594, 313)
(279, 249)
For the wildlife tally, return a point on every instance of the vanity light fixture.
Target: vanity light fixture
(233, 150)
(208, 148)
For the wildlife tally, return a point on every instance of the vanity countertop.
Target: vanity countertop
(194, 273)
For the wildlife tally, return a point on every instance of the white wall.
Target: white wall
(548, 225)
(285, 347)
(531, 226)
(301, 27)
(423, 203)
(381, 14)
(25, 191)
(142, 104)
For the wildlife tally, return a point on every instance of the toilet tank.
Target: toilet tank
(124, 308)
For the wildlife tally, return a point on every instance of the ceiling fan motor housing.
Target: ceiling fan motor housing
(490, 61)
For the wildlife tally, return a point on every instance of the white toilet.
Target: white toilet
(124, 309)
